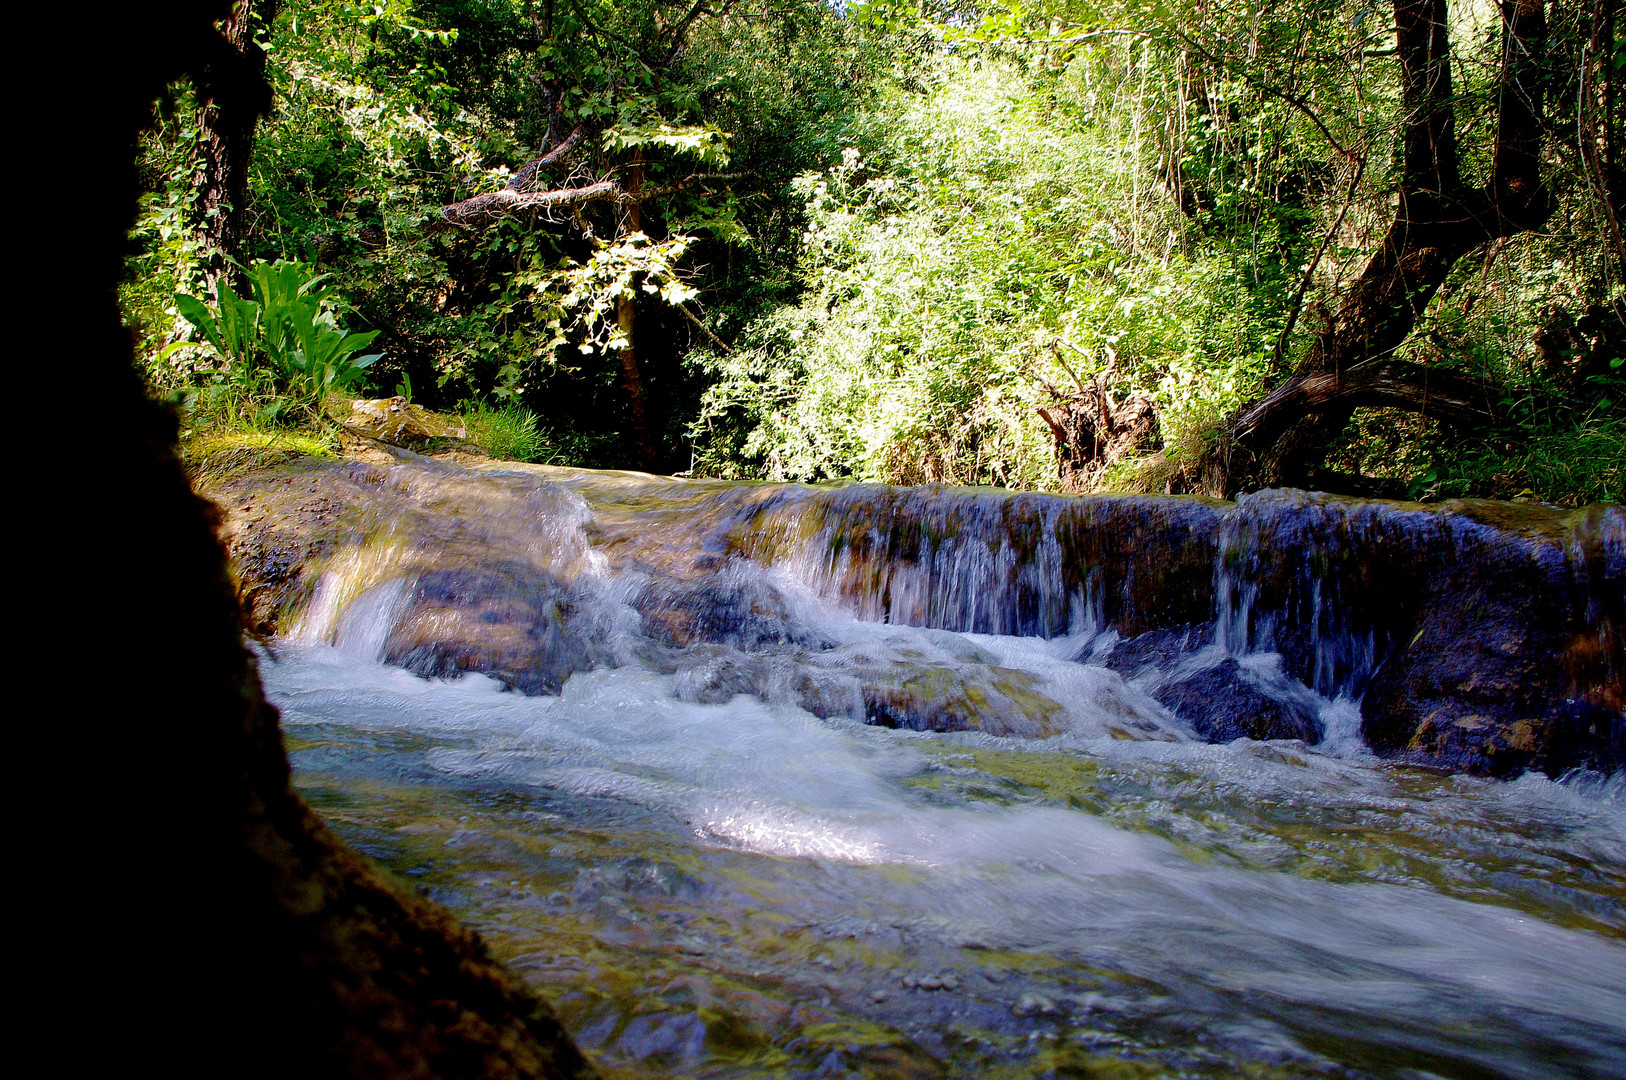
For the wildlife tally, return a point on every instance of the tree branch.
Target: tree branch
(1263, 87)
(1309, 271)
(704, 329)
(521, 180)
(496, 204)
(1401, 384)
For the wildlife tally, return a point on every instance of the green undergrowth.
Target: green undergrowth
(507, 432)
(219, 439)
(1586, 464)
(1566, 464)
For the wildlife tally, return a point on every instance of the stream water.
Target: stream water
(705, 857)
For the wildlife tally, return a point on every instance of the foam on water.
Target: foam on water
(1077, 855)
(1140, 887)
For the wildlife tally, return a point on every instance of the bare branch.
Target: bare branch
(497, 204)
(521, 180)
(507, 201)
(689, 181)
(704, 329)
(1263, 87)
(1309, 271)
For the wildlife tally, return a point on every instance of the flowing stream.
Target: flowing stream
(703, 846)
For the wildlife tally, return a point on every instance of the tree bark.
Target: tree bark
(632, 380)
(231, 97)
(191, 890)
(1278, 439)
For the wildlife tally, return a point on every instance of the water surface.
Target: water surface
(742, 888)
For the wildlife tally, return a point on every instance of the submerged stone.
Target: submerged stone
(1223, 703)
(508, 621)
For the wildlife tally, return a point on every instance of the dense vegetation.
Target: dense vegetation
(1189, 247)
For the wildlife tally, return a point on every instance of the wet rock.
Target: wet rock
(280, 524)
(1478, 636)
(664, 1038)
(827, 693)
(1225, 702)
(1525, 667)
(399, 422)
(994, 563)
(1159, 650)
(1034, 1005)
(931, 697)
(511, 622)
(733, 608)
(714, 675)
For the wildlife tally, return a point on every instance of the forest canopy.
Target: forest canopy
(1194, 247)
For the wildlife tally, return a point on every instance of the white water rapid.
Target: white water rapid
(712, 883)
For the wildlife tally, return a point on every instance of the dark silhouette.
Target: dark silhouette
(196, 917)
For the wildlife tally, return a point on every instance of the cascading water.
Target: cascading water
(875, 782)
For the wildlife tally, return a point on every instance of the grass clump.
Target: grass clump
(1569, 467)
(508, 432)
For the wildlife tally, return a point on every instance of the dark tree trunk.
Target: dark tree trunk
(188, 910)
(632, 379)
(1278, 439)
(232, 94)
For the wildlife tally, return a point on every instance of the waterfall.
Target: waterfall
(1477, 636)
(875, 781)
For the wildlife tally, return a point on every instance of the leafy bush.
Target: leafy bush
(288, 329)
(989, 238)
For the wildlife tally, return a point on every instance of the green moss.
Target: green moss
(221, 453)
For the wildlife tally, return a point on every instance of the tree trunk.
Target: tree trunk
(1278, 439)
(632, 380)
(199, 916)
(231, 98)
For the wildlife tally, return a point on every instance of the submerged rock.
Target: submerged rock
(930, 697)
(714, 675)
(722, 608)
(1156, 650)
(1221, 697)
(509, 621)
(1223, 703)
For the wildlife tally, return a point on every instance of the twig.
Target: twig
(704, 329)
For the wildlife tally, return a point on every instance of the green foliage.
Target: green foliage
(940, 218)
(288, 330)
(385, 113)
(1578, 464)
(508, 432)
(979, 252)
